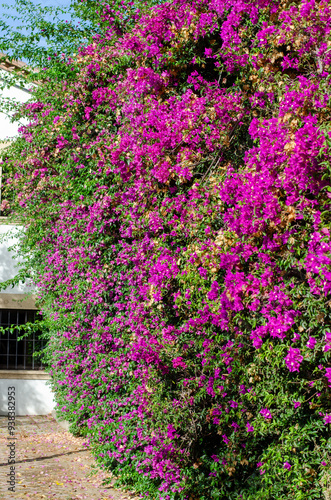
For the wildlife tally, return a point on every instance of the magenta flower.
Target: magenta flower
(327, 339)
(297, 404)
(266, 413)
(311, 343)
(327, 419)
(208, 52)
(171, 432)
(293, 359)
(213, 294)
(323, 463)
(328, 375)
(259, 465)
(226, 440)
(235, 425)
(249, 427)
(178, 363)
(287, 466)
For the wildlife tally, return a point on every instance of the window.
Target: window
(18, 354)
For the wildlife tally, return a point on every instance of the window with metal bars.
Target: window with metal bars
(18, 354)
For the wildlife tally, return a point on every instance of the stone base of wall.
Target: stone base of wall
(62, 423)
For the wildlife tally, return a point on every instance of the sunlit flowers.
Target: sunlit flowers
(293, 359)
(311, 343)
(266, 413)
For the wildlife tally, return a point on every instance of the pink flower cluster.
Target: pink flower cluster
(293, 359)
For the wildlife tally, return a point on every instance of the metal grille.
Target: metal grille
(18, 354)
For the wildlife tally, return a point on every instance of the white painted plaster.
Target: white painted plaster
(8, 261)
(9, 130)
(32, 397)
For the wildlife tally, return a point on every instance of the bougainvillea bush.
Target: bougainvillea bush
(176, 197)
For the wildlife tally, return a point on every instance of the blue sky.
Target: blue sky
(44, 3)
(12, 11)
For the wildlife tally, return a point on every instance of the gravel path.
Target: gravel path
(50, 464)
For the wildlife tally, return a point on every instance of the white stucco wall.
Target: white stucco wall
(8, 238)
(8, 130)
(32, 397)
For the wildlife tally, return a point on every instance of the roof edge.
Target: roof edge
(13, 65)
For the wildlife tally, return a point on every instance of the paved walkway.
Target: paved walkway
(50, 464)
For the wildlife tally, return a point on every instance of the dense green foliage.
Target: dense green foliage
(176, 197)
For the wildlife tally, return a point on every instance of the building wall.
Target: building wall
(8, 262)
(33, 395)
(8, 130)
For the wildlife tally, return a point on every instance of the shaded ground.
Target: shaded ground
(50, 464)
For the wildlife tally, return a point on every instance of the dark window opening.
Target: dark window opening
(18, 354)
